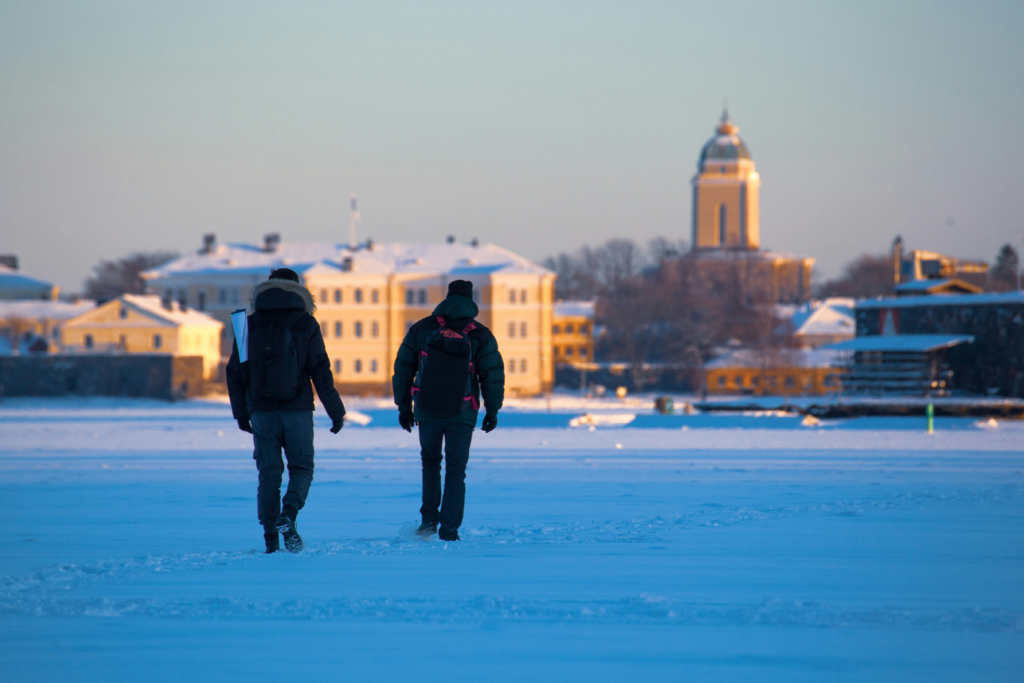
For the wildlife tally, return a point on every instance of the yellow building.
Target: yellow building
(572, 332)
(368, 296)
(726, 225)
(135, 323)
(782, 372)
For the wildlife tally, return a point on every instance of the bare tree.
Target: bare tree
(866, 276)
(15, 328)
(1003, 275)
(113, 278)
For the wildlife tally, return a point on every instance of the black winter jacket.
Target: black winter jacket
(489, 369)
(277, 299)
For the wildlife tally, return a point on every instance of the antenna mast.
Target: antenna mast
(353, 219)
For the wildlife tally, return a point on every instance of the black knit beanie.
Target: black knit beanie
(461, 288)
(284, 274)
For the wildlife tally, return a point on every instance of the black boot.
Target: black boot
(272, 539)
(427, 529)
(446, 534)
(286, 525)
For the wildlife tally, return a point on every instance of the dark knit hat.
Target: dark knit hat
(461, 288)
(284, 274)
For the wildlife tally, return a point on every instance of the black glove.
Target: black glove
(245, 426)
(336, 425)
(406, 419)
(490, 422)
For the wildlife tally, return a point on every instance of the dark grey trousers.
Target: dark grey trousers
(271, 430)
(456, 437)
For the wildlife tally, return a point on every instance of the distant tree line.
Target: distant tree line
(123, 276)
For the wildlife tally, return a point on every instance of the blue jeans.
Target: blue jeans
(271, 430)
(456, 437)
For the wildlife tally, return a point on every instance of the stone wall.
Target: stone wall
(160, 376)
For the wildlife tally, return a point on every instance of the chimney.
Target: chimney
(209, 240)
(346, 263)
(897, 257)
(9, 260)
(271, 241)
(451, 239)
(475, 243)
(369, 244)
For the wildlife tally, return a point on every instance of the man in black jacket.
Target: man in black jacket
(288, 422)
(487, 380)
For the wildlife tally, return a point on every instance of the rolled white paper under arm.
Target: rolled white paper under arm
(240, 322)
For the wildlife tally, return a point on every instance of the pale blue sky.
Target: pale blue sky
(137, 126)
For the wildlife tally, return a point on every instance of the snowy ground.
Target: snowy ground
(704, 547)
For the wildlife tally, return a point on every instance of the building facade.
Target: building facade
(368, 296)
(572, 332)
(782, 372)
(134, 323)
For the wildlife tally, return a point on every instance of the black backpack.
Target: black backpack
(444, 381)
(274, 360)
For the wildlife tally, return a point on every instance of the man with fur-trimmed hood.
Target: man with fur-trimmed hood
(271, 398)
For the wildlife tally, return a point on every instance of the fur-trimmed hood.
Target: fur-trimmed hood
(287, 287)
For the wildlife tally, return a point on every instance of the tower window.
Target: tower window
(722, 234)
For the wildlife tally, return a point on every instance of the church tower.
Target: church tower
(725, 193)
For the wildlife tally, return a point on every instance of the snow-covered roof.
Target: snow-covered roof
(781, 358)
(986, 298)
(832, 316)
(574, 309)
(937, 286)
(457, 259)
(44, 309)
(154, 307)
(11, 279)
(901, 342)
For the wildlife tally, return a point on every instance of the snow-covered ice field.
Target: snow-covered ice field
(704, 547)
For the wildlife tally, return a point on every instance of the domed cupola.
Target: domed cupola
(725, 146)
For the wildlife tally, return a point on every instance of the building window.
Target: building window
(568, 351)
(583, 329)
(476, 295)
(522, 297)
(522, 330)
(359, 296)
(512, 367)
(410, 297)
(374, 330)
(124, 313)
(182, 298)
(511, 296)
(222, 296)
(337, 367)
(359, 331)
(337, 330)
(122, 343)
(359, 365)
(522, 365)
(755, 380)
(158, 341)
(583, 352)
(323, 296)
(512, 330)
(423, 296)
(556, 330)
(201, 300)
(373, 366)
(739, 380)
(722, 234)
(790, 382)
(721, 380)
(323, 328)
(234, 295)
(337, 296)
(569, 328)
(374, 296)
